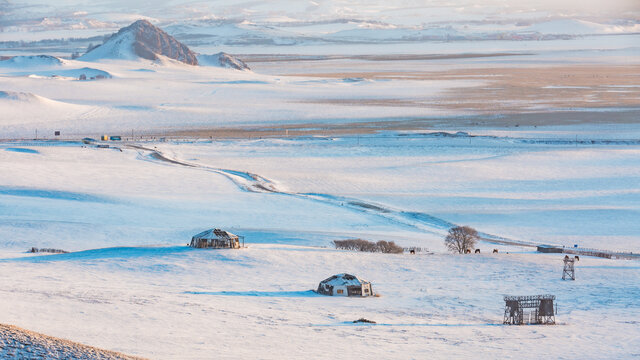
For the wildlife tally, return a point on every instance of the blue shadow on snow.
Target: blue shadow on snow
(351, 323)
(308, 293)
(22, 150)
(122, 252)
(53, 194)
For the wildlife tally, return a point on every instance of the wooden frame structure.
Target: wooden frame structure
(569, 271)
(535, 309)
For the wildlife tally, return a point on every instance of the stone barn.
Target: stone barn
(345, 285)
(216, 238)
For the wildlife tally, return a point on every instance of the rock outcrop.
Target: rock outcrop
(222, 60)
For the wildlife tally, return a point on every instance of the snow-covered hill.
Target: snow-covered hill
(21, 62)
(46, 66)
(141, 40)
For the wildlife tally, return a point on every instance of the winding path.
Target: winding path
(250, 182)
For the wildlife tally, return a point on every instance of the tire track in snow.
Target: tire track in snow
(251, 182)
(244, 180)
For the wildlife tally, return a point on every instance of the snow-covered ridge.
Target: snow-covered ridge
(578, 27)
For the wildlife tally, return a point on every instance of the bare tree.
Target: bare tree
(461, 238)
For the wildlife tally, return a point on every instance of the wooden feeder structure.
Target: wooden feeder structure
(535, 309)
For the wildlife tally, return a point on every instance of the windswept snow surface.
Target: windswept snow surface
(21, 108)
(173, 95)
(131, 284)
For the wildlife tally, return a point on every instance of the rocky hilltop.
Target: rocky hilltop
(222, 60)
(142, 40)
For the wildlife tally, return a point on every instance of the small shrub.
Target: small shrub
(368, 246)
(363, 320)
(51, 251)
(389, 247)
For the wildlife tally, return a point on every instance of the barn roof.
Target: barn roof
(344, 280)
(215, 234)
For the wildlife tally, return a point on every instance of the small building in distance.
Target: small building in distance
(216, 239)
(549, 249)
(345, 285)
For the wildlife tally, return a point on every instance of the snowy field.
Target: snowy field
(132, 285)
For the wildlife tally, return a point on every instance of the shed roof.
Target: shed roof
(344, 280)
(215, 234)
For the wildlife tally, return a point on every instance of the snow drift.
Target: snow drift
(23, 97)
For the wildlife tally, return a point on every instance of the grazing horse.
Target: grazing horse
(495, 251)
(467, 251)
(477, 251)
(412, 251)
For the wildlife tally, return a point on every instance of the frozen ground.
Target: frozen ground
(444, 85)
(553, 159)
(133, 286)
